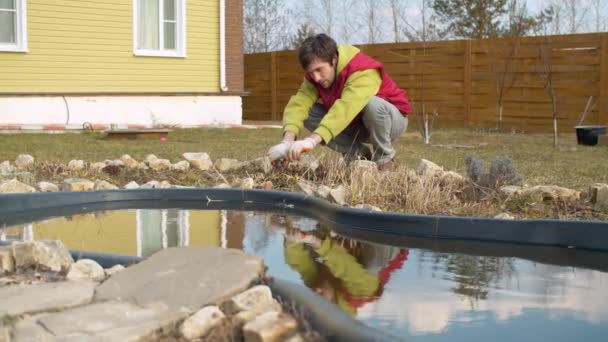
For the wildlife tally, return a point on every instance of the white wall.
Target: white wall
(148, 111)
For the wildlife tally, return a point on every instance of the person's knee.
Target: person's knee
(374, 107)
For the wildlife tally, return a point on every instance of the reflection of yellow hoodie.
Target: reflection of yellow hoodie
(353, 277)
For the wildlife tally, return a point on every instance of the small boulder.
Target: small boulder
(598, 194)
(47, 187)
(202, 322)
(149, 158)
(86, 269)
(132, 185)
(226, 164)
(504, 216)
(113, 270)
(323, 191)
(7, 262)
(338, 195)
(160, 164)
(76, 165)
(246, 183)
(24, 161)
(129, 161)
(181, 166)
(104, 185)
(51, 255)
(153, 184)
(304, 187)
(14, 186)
(428, 168)
(77, 184)
(6, 168)
(270, 326)
(199, 161)
(97, 167)
(367, 207)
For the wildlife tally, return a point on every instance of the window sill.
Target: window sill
(141, 53)
(8, 48)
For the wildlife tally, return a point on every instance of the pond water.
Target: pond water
(419, 290)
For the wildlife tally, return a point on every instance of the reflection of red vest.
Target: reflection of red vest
(383, 277)
(388, 89)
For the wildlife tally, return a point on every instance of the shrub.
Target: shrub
(502, 172)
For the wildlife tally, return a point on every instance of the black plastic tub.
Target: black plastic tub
(588, 135)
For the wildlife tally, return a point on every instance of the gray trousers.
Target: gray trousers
(380, 124)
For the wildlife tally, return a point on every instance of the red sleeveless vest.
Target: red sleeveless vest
(388, 88)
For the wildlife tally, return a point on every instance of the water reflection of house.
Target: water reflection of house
(138, 232)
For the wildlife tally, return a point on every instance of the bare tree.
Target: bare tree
(371, 11)
(397, 8)
(349, 28)
(504, 53)
(425, 29)
(600, 16)
(546, 75)
(264, 25)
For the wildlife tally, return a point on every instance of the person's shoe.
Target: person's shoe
(388, 166)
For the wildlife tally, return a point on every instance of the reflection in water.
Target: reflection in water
(417, 293)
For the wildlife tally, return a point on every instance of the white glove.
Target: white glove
(300, 146)
(279, 151)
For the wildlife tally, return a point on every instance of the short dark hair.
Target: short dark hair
(319, 46)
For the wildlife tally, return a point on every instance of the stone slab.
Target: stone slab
(25, 299)
(189, 277)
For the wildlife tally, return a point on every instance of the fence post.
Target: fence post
(467, 82)
(273, 86)
(603, 105)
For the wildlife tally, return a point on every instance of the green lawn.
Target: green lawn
(568, 165)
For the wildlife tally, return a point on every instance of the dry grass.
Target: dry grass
(569, 165)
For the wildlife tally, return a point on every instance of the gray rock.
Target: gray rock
(202, 322)
(504, 216)
(6, 168)
(24, 161)
(262, 163)
(164, 185)
(108, 321)
(76, 165)
(114, 269)
(222, 186)
(226, 164)
(26, 299)
(270, 326)
(149, 158)
(323, 191)
(97, 167)
(250, 299)
(510, 190)
(51, 255)
(363, 165)
(247, 183)
(104, 185)
(77, 184)
(170, 276)
(14, 186)
(153, 184)
(86, 269)
(47, 187)
(599, 195)
(451, 177)
(549, 193)
(129, 161)
(132, 185)
(200, 161)
(7, 262)
(338, 195)
(181, 166)
(304, 187)
(428, 168)
(160, 164)
(5, 334)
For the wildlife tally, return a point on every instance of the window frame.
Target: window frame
(20, 44)
(180, 32)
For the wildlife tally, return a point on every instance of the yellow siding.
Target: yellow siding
(87, 46)
(113, 232)
(205, 228)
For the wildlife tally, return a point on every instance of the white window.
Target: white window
(12, 26)
(159, 28)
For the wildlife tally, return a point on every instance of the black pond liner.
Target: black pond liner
(588, 239)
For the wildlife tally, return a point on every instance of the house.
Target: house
(69, 64)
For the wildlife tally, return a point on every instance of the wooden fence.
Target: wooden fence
(459, 80)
